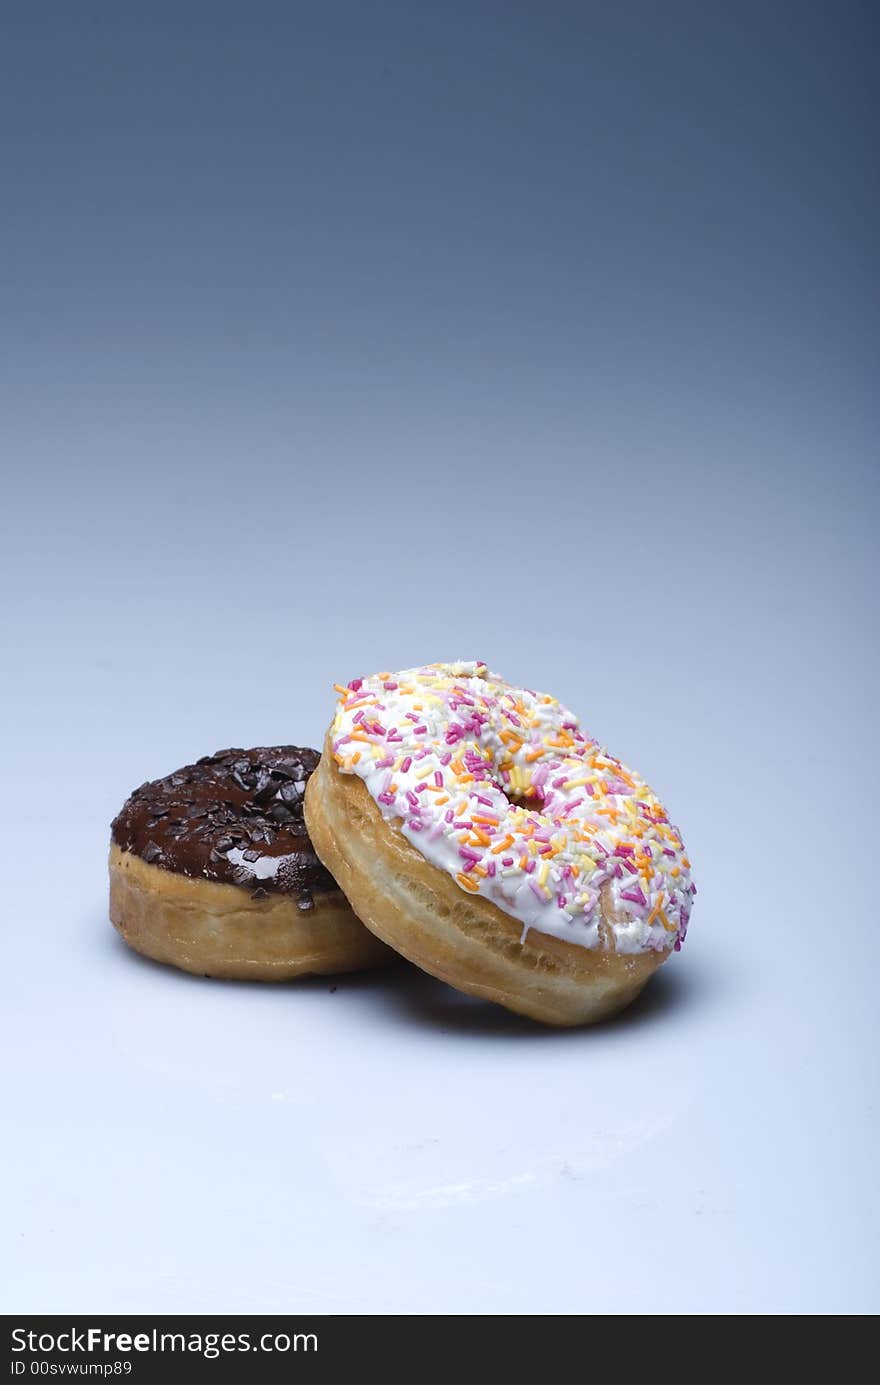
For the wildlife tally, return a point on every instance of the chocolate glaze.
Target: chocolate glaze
(246, 805)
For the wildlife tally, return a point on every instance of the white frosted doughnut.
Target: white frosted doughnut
(478, 831)
(498, 787)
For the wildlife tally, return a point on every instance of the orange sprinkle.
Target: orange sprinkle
(502, 846)
(657, 909)
(467, 883)
(444, 799)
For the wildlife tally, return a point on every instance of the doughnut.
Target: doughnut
(212, 871)
(477, 830)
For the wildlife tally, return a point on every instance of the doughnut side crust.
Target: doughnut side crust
(462, 939)
(214, 929)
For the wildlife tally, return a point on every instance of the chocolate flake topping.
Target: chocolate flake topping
(245, 802)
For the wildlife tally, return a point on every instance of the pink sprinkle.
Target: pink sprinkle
(446, 757)
(406, 764)
(422, 788)
(560, 901)
(415, 825)
(487, 802)
(449, 815)
(635, 895)
(667, 851)
(507, 860)
(387, 798)
(530, 866)
(536, 890)
(412, 798)
(438, 779)
(560, 782)
(356, 684)
(490, 868)
(394, 735)
(420, 730)
(390, 687)
(358, 716)
(463, 823)
(469, 865)
(467, 853)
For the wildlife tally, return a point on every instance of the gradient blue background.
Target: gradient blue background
(345, 336)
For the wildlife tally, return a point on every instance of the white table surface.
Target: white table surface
(179, 1144)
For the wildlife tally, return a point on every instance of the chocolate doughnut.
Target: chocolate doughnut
(212, 871)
